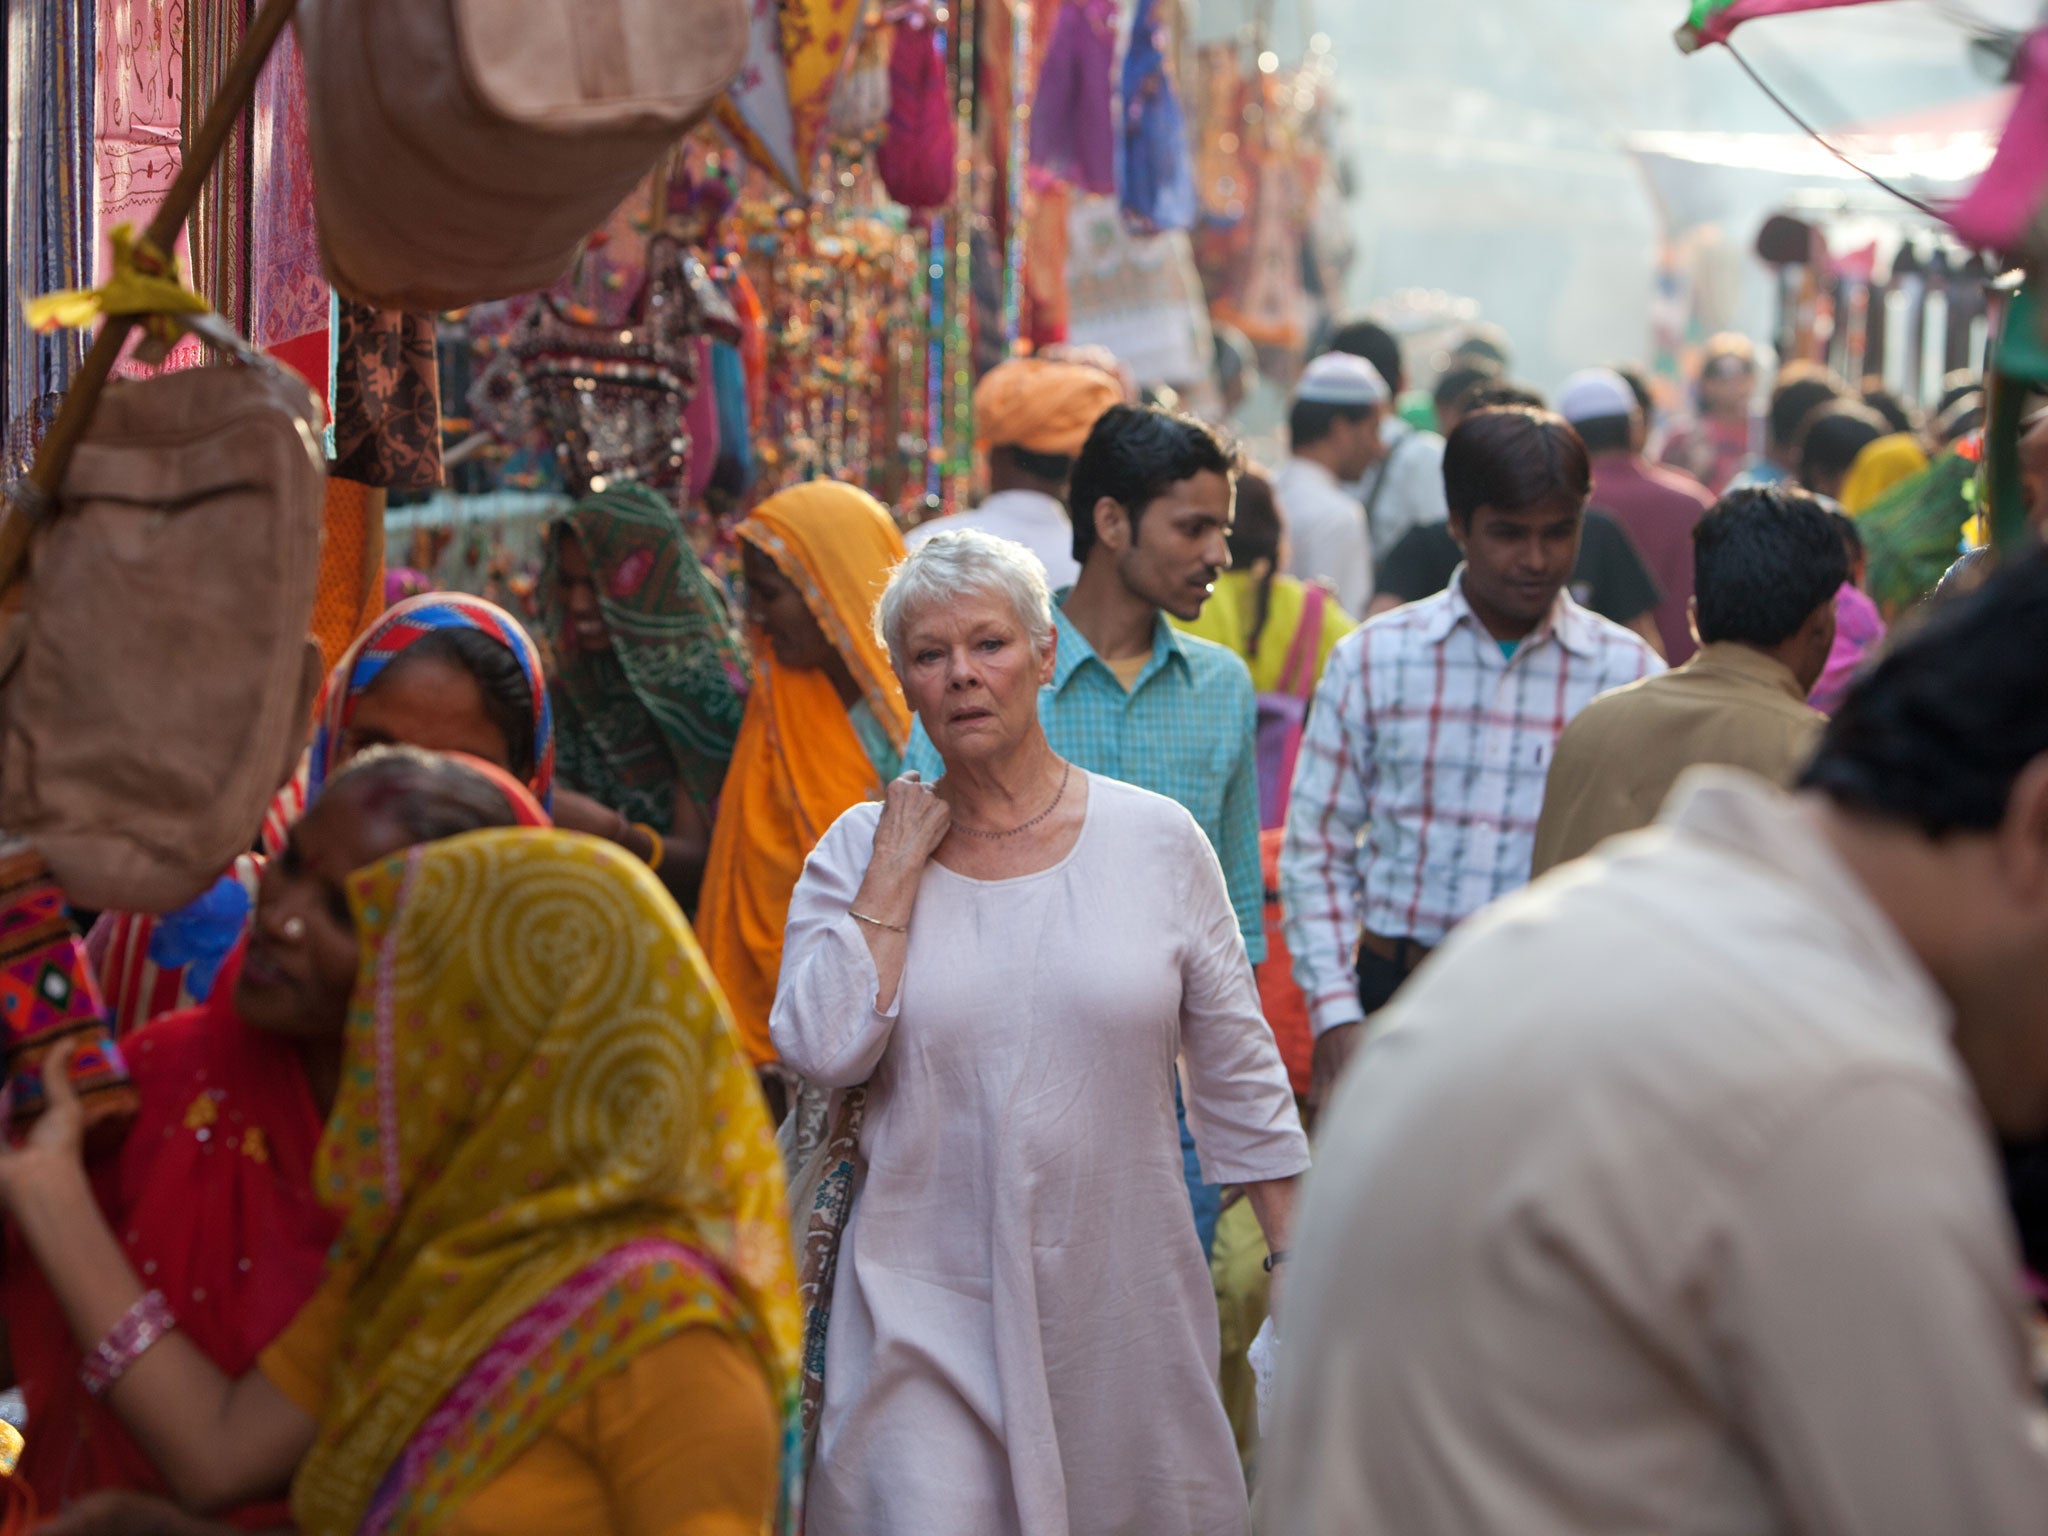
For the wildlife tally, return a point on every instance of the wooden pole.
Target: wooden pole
(237, 90)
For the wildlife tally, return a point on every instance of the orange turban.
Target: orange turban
(1040, 406)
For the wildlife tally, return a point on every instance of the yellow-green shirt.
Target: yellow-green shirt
(1232, 608)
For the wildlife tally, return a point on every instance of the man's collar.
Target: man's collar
(1729, 656)
(1075, 652)
(1572, 625)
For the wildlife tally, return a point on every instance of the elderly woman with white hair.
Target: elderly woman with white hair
(1023, 1332)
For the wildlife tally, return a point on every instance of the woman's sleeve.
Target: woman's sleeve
(825, 1023)
(1239, 1104)
(719, 1479)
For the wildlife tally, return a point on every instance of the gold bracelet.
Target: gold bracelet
(657, 850)
(876, 922)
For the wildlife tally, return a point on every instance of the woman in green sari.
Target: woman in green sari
(649, 684)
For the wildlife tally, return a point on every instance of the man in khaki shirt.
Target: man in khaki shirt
(1662, 1200)
(1767, 563)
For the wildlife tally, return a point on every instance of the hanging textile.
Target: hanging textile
(351, 594)
(1158, 173)
(816, 35)
(1073, 117)
(2008, 208)
(218, 228)
(387, 399)
(1712, 20)
(755, 107)
(138, 125)
(49, 201)
(288, 291)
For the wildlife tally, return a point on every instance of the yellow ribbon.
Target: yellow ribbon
(130, 291)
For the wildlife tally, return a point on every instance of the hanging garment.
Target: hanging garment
(1073, 116)
(1158, 172)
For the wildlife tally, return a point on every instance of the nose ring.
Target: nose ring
(295, 928)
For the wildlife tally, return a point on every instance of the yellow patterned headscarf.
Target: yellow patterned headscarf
(549, 1156)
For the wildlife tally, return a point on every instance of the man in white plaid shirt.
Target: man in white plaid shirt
(1422, 768)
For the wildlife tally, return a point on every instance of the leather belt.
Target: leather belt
(1406, 953)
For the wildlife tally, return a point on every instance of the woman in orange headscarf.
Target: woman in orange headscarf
(824, 729)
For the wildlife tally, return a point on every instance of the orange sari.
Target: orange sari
(798, 764)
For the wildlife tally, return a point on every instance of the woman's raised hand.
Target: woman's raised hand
(56, 1141)
(914, 822)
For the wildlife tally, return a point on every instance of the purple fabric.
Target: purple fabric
(1159, 173)
(1858, 628)
(1073, 118)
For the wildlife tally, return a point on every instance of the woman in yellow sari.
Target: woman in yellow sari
(562, 1299)
(824, 730)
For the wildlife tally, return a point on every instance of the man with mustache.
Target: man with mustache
(1422, 768)
(1131, 697)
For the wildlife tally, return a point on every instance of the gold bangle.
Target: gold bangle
(657, 850)
(876, 922)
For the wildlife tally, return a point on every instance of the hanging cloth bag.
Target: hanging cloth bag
(463, 149)
(916, 153)
(161, 677)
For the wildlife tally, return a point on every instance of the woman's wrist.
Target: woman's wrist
(42, 1188)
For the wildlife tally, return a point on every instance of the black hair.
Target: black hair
(1763, 559)
(1310, 421)
(507, 695)
(1514, 457)
(1935, 734)
(1255, 533)
(1506, 392)
(1488, 343)
(1606, 434)
(1051, 468)
(1458, 381)
(1638, 385)
(1255, 536)
(1237, 362)
(1374, 343)
(1850, 535)
(1956, 385)
(1833, 437)
(1897, 415)
(430, 796)
(1134, 455)
(1802, 389)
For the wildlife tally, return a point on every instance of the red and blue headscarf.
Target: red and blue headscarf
(413, 620)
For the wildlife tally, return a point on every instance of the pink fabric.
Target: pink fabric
(917, 151)
(1858, 628)
(1999, 209)
(1715, 28)
(700, 419)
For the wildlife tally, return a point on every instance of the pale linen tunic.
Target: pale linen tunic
(1659, 1203)
(1024, 1333)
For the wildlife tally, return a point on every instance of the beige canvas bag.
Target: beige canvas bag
(159, 678)
(463, 149)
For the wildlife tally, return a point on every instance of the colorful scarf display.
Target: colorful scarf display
(601, 1166)
(799, 763)
(384, 642)
(661, 709)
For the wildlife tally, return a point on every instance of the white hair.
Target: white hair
(947, 567)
